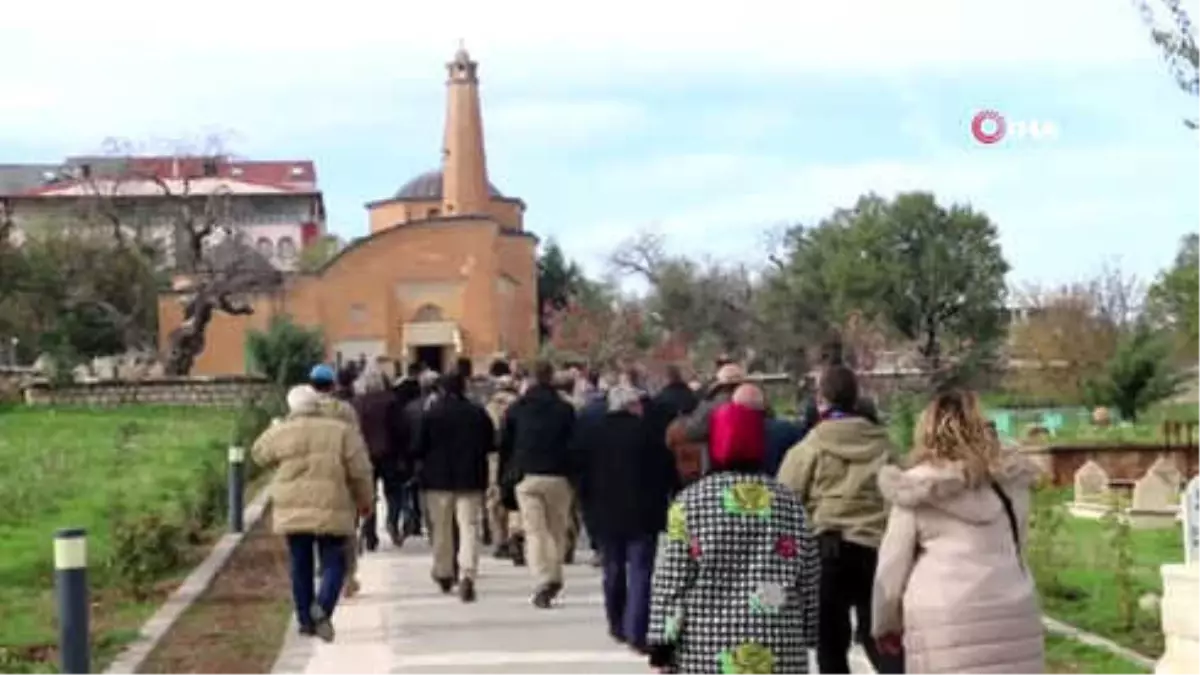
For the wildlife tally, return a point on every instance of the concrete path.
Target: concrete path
(402, 623)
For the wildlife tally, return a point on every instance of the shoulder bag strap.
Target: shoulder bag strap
(1012, 520)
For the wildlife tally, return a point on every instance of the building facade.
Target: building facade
(446, 271)
(274, 206)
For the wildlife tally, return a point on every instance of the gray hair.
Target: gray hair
(622, 397)
(370, 381)
(302, 399)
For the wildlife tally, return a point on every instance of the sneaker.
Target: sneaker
(446, 585)
(308, 631)
(394, 533)
(466, 590)
(351, 589)
(322, 627)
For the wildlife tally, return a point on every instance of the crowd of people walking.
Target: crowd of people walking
(730, 538)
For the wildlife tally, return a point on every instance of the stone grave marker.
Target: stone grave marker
(1156, 496)
(1092, 491)
(1091, 483)
(1191, 522)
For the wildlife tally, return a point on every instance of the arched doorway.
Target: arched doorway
(431, 356)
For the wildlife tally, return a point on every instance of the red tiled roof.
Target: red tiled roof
(283, 175)
(277, 173)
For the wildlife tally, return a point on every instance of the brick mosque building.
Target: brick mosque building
(447, 270)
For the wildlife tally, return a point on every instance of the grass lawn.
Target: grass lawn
(1087, 592)
(68, 467)
(1064, 655)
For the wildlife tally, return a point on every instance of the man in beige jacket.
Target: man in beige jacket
(323, 478)
(324, 381)
(834, 471)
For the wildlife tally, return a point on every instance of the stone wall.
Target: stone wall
(182, 391)
(1124, 462)
(12, 380)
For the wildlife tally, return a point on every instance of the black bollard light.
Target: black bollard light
(237, 487)
(71, 594)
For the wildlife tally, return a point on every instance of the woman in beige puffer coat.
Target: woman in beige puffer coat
(951, 585)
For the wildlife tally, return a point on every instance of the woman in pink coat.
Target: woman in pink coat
(951, 586)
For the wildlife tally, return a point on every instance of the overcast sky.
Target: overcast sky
(710, 123)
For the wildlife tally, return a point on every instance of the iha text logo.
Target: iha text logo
(990, 127)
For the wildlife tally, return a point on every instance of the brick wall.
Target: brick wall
(194, 391)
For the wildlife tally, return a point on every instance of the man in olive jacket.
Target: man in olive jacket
(833, 471)
(323, 478)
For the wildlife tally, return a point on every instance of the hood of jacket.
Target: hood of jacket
(944, 487)
(853, 439)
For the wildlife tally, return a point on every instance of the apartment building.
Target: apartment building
(275, 206)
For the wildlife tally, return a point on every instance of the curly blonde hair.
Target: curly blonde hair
(953, 428)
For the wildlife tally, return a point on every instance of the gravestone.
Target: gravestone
(1091, 483)
(1156, 496)
(1191, 521)
(1092, 491)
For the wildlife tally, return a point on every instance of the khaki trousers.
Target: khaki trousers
(445, 509)
(497, 515)
(545, 503)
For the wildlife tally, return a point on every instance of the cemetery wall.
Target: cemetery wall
(12, 380)
(1125, 462)
(183, 391)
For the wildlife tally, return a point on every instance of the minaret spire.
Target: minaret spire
(464, 163)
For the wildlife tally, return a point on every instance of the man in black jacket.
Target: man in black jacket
(535, 448)
(453, 441)
(676, 397)
(627, 479)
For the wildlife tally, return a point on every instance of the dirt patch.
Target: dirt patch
(238, 625)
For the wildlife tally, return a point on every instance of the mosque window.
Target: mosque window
(358, 313)
(265, 247)
(433, 213)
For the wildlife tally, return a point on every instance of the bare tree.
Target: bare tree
(698, 301)
(189, 214)
(1117, 297)
(1177, 39)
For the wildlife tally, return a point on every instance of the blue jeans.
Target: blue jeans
(628, 566)
(332, 551)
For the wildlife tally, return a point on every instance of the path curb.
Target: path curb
(156, 628)
(1080, 635)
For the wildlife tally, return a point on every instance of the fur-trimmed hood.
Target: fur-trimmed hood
(944, 487)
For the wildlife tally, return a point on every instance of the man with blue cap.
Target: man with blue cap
(323, 380)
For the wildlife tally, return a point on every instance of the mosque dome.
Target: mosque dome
(428, 186)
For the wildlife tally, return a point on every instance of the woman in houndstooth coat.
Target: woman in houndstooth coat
(735, 582)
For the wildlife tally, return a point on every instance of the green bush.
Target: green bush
(145, 548)
(1139, 375)
(903, 410)
(285, 351)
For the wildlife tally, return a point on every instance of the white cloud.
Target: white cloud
(1059, 211)
(559, 123)
(89, 69)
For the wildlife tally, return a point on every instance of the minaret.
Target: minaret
(464, 166)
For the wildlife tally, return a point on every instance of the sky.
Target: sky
(710, 124)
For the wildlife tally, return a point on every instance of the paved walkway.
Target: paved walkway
(402, 623)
